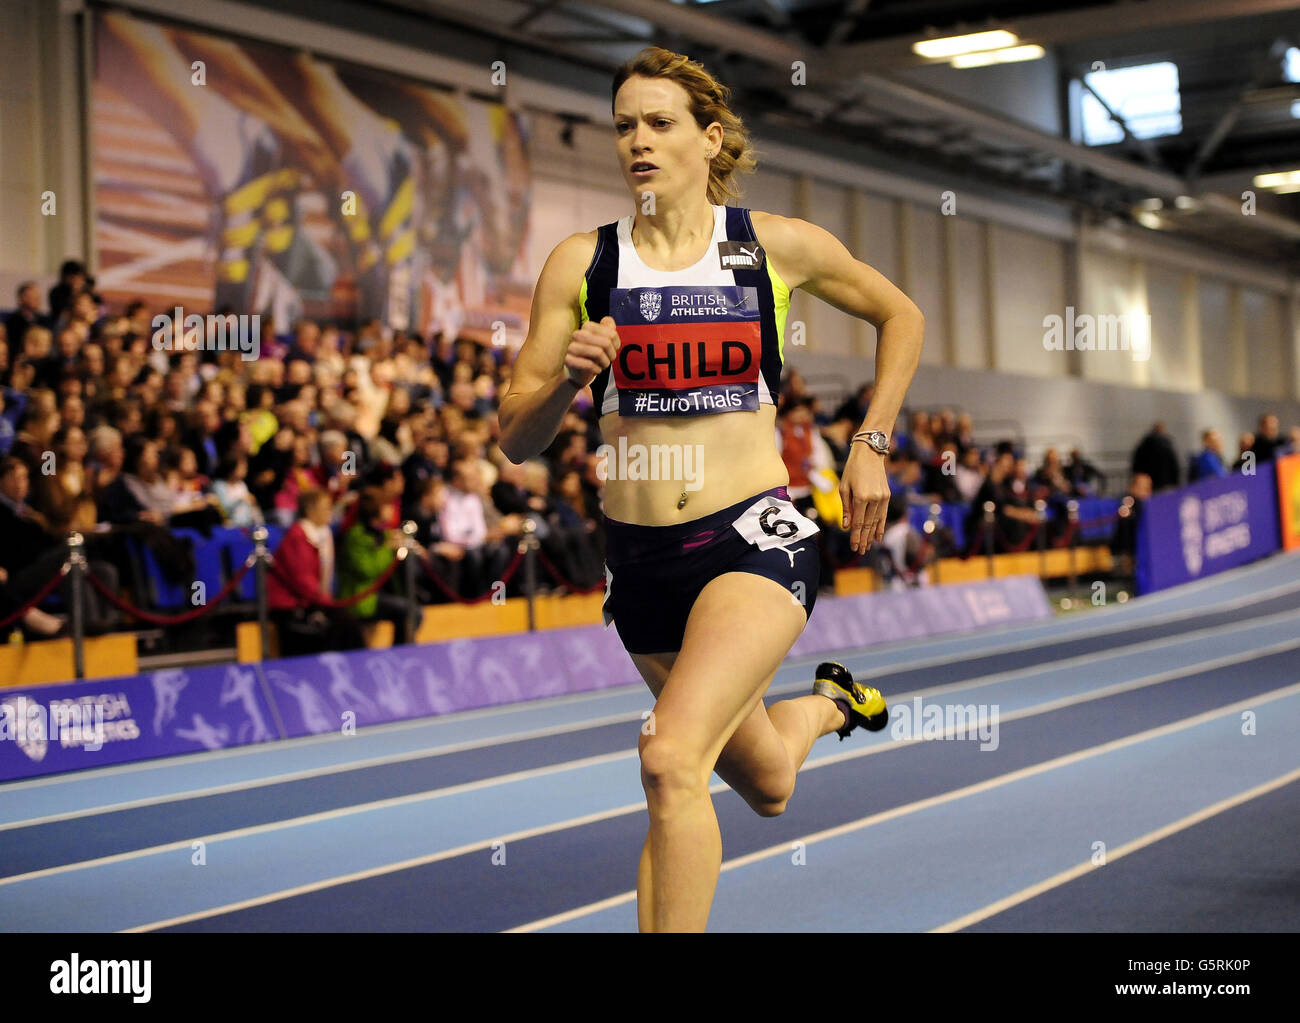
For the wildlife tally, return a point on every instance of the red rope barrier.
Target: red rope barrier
(41, 594)
(1023, 545)
(328, 601)
(450, 594)
(1066, 538)
(179, 619)
(565, 584)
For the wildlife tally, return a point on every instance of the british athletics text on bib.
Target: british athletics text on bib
(687, 351)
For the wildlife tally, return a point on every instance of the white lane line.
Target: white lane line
(471, 744)
(1150, 838)
(571, 822)
(313, 772)
(783, 849)
(312, 818)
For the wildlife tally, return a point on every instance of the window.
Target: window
(1146, 96)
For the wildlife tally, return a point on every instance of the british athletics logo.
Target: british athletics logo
(687, 350)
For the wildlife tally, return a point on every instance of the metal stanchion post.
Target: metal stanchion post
(1072, 510)
(77, 567)
(989, 509)
(1040, 506)
(932, 524)
(528, 544)
(1127, 561)
(260, 553)
(412, 597)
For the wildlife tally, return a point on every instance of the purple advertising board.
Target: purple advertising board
(47, 729)
(92, 724)
(326, 692)
(1207, 527)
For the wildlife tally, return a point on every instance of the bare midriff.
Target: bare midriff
(732, 455)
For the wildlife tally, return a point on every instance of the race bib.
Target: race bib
(687, 350)
(770, 522)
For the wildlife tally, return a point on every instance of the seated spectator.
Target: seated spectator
(268, 468)
(906, 478)
(854, 408)
(1014, 515)
(181, 468)
(1085, 478)
(429, 459)
(1209, 463)
(575, 524)
(238, 509)
(904, 554)
(920, 441)
(940, 478)
(464, 523)
(368, 549)
(6, 426)
(107, 456)
(30, 555)
(1051, 478)
(63, 496)
(28, 314)
(970, 475)
(301, 581)
(301, 477)
(36, 430)
(201, 437)
(802, 451)
(441, 557)
(141, 493)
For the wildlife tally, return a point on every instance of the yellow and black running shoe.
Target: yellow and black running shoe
(863, 706)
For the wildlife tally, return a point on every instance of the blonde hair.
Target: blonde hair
(707, 101)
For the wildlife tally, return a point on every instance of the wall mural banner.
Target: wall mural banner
(255, 179)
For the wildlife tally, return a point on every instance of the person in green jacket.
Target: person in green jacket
(367, 550)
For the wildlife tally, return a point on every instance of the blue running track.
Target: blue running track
(1138, 769)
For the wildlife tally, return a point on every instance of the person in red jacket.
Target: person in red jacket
(300, 584)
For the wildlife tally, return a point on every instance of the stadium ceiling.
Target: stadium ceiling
(1240, 115)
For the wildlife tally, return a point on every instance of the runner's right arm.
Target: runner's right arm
(558, 358)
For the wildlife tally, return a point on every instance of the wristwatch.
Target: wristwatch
(878, 441)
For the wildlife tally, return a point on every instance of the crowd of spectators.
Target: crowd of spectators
(341, 436)
(331, 433)
(934, 459)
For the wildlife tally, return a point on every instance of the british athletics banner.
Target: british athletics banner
(50, 729)
(1205, 528)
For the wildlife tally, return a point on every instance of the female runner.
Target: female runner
(674, 315)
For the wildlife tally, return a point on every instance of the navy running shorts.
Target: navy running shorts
(654, 573)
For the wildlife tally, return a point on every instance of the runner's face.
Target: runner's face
(653, 124)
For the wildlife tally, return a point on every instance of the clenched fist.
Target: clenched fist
(592, 347)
